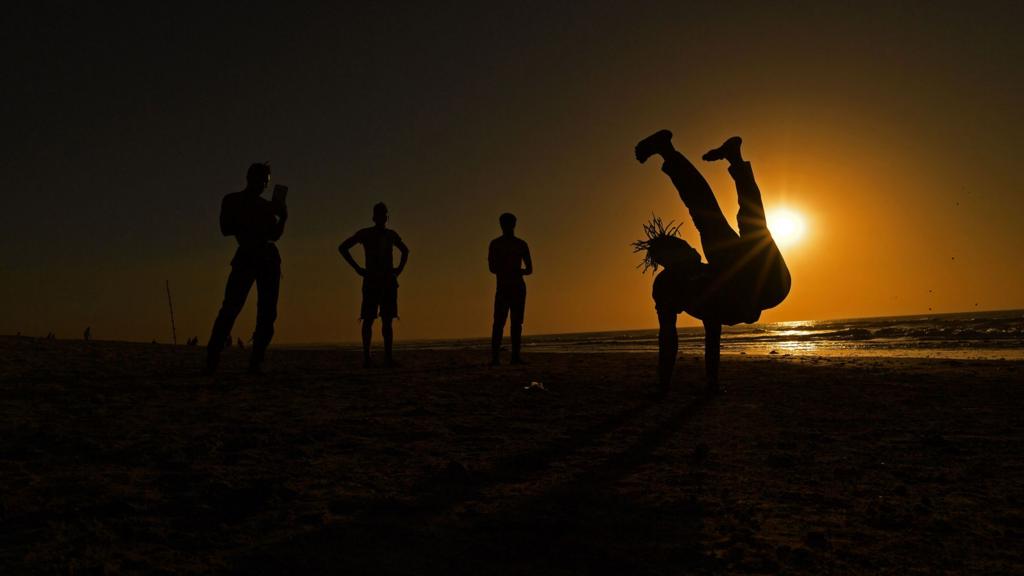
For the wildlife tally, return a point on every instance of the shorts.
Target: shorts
(379, 298)
(512, 300)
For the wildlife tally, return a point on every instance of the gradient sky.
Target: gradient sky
(892, 127)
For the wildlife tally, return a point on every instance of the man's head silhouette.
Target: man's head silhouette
(380, 213)
(508, 222)
(258, 176)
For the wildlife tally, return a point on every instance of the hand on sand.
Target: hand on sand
(729, 150)
(657, 143)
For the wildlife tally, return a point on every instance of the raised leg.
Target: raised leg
(767, 273)
(716, 236)
(751, 218)
(757, 262)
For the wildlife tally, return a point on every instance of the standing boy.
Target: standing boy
(380, 278)
(509, 260)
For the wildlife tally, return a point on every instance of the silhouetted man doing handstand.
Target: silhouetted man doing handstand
(256, 223)
(509, 260)
(380, 278)
(744, 274)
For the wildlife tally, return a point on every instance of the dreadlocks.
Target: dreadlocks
(663, 245)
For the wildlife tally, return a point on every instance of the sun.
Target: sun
(787, 226)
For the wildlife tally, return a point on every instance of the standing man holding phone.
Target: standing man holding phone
(256, 223)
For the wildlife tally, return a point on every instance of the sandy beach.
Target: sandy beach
(121, 458)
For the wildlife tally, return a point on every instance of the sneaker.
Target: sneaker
(729, 149)
(653, 144)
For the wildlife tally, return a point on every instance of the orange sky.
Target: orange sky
(892, 130)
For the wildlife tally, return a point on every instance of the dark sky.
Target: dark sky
(891, 127)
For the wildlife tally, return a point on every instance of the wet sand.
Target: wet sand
(120, 458)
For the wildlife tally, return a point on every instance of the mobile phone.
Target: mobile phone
(280, 193)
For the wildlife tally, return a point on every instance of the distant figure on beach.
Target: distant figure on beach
(508, 258)
(380, 278)
(87, 334)
(256, 223)
(745, 272)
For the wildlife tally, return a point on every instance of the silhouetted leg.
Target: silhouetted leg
(712, 353)
(235, 292)
(388, 334)
(501, 310)
(515, 332)
(367, 336)
(373, 302)
(716, 236)
(517, 309)
(268, 286)
(751, 218)
(668, 349)
(768, 274)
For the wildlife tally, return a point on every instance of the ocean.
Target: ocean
(968, 335)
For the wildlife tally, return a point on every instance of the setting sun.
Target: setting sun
(787, 227)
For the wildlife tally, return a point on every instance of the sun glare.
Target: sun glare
(787, 227)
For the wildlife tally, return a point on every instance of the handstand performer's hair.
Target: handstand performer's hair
(661, 240)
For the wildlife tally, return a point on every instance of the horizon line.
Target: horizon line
(487, 336)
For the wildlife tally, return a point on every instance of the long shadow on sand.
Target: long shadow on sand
(553, 510)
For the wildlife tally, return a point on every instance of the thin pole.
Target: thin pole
(174, 333)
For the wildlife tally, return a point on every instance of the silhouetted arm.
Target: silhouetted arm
(282, 217)
(344, 248)
(405, 254)
(227, 217)
(527, 260)
(491, 259)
